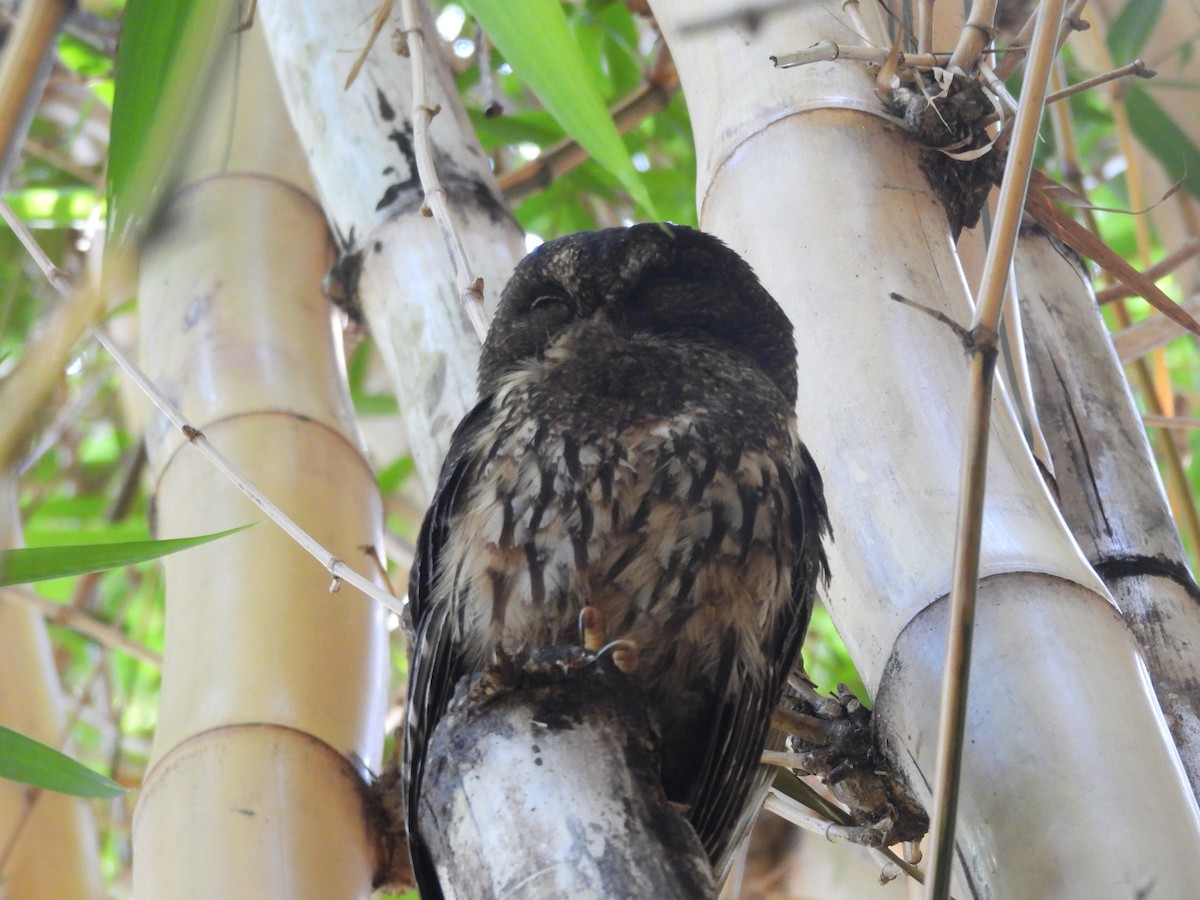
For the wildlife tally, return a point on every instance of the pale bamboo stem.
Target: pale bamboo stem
(976, 36)
(338, 569)
(965, 580)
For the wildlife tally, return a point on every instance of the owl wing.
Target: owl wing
(732, 773)
(435, 662)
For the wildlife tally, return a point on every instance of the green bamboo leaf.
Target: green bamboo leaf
(53, 207)
(536, 41)
(166, 57)
(39, 563)
(1128, 32)
(31, 762)
(1162, 137)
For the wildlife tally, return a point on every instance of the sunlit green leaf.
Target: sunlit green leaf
(44, 207)
(1161, 136)
(167, 52)
(30, 762)
(83, 58)
(395, 475)
(1128, 32)
(536, 41)
(39, 563)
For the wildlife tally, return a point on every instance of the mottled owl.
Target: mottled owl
(634, 449)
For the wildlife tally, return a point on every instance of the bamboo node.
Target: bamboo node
(192, 434)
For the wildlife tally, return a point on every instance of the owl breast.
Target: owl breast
(644, 498)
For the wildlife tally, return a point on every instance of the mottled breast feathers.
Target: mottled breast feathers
(634, 449)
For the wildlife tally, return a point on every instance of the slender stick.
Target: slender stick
(24, 67)
(825, 51)
(338, 569)
(1165, 266)
(1137, 67)
(787, 808)
(974, 463)
(79, 621)
(470, 288)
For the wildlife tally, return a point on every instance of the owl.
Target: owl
(634, 449)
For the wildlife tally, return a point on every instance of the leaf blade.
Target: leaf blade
(536, 40)
(31, 762)
(28, 564)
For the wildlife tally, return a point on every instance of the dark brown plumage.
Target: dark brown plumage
(634, 450)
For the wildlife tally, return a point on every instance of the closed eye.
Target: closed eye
(556, 303)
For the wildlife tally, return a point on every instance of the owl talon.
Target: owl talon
(591, 629)
(624, 655)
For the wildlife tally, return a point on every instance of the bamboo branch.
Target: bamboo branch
(975, 449)
(827, 51)
(976, 36)
(470, 288)
(79, 621)
(28, 55)
(557, 160)
(1163, 267)
(788, 809)
(1019, 45)
(338, 569)
(1136, 340)
(1178, 422)
(1137, 68)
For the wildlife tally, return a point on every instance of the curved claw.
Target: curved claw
(624, 655)
(591, 629)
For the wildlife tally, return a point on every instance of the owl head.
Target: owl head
(667, 280)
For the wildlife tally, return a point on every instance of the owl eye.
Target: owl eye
(555, 303)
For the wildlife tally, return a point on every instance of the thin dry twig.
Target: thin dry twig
(1137, 68)
(1136, 340)
(79, 621)
(827, 51)
(1160, 269)
(1178, 422)
(28, 50)
(470, 288)
(338, 569)
(1020, 44)
(557, 160)
(787, 808)
(965, 582)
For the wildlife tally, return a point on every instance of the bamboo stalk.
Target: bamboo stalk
(24, 67)
(47, 841)
(336, 567)
(406, 287)
(996, 270)
(976, 36)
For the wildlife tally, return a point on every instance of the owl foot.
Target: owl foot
(591, 629)
(624, 653)
(833, 737)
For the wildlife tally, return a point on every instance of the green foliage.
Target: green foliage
(1129, 30)
(558, 68)
(42, 563)
(30, 762)
(1163, 138)
(167, 52)
(537, 41)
